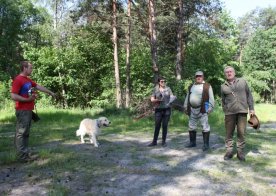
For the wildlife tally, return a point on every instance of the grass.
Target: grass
(54, 139)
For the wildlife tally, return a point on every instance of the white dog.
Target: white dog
(92, 128)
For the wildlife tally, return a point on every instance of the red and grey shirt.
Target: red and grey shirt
(21, 85)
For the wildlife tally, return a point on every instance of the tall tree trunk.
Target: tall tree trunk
(273, 92)
(128, 54)
(56, 15)
(240, 57)
(179, 55)
(63, 92)
(153, 38)
(116, 65)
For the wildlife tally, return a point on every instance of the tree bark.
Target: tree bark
(116, 64)
(128, 54)
(56, 15)
(153, 38)
(179, 55)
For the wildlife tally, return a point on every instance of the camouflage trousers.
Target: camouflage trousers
(23, 125)
(232, 122)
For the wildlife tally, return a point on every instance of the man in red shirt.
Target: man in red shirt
(23, 93)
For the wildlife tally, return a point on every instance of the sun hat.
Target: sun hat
(254, 122)
(199, 73)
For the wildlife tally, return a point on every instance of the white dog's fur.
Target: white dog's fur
(92, 128)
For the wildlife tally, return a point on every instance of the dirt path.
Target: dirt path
(124, 165)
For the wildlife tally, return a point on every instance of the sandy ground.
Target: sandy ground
(124, 165)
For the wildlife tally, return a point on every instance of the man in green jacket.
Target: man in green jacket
(236, 101)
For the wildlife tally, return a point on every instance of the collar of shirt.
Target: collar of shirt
(199, 83)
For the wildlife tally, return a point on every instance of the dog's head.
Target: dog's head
(103, 122)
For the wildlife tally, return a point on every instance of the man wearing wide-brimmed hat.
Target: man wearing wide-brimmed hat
(236, 101)
(199, 102)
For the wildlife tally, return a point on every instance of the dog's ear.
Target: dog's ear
(100, 120)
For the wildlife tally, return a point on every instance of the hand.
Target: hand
(251, 112)
(31, 98)
(209, 111)
(52, 94)
(186, 111)
(158, 100)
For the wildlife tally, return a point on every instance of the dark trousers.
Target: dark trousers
(23, 125)
(231, 122)
(162, 117)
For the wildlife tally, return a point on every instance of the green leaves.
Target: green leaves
(259, 60)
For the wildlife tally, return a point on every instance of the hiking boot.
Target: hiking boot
(228, 156)
(28, 159)
(191, 145)
(164, 144)
(152, 144)
(241, 156)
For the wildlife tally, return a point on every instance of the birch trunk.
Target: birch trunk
(128, 54)
(153, 38)
(179, 55)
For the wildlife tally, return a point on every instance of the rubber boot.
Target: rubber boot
(192, 135)
(205, 140)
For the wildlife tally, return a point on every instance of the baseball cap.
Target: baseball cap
(199, 73)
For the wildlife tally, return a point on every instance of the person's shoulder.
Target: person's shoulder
(191, 85)
(155, 89)
(224, 84)
(17, 78)
(241, 79)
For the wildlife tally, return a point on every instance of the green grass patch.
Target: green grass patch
(60, 152)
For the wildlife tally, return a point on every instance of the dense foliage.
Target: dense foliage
(70, 45)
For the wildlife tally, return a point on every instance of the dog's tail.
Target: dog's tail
(78, 132)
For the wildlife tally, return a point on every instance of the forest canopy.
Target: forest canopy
(104, 53)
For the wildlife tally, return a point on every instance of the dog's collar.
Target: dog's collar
(98, 124)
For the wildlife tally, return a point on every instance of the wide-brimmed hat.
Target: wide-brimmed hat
(254, 122)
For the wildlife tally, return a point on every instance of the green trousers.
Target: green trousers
(23, 125)
(231, 122)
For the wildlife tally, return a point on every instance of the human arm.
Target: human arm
(20, 98)
(211, 100)
(250, 100)
(45, 90)
(185, 105)
(222, 98)
(156, 96)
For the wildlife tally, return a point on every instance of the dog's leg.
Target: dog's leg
(91, 139)
(82, 140)
(94, 139)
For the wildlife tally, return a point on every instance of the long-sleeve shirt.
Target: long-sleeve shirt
(236, 97)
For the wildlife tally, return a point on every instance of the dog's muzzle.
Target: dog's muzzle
(106, 125)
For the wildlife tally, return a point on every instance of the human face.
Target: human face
(28, 70)
(162, 83)
(230, 74)
(199, 79)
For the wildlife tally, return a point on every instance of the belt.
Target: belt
(196, 107)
